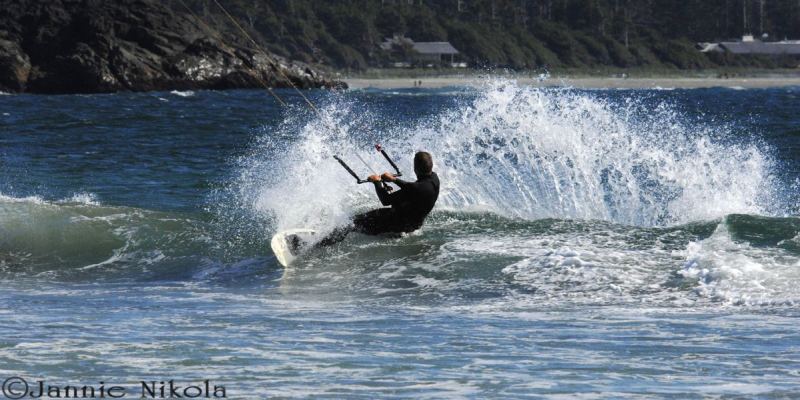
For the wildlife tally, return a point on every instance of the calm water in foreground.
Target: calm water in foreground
(594, 244)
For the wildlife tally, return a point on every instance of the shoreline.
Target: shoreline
(577, 82)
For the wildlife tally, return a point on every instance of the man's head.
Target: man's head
(423, 164)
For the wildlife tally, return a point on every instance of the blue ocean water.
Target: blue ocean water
(587, 243)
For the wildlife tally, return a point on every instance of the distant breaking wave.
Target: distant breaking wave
(79, 238)
(185, 93)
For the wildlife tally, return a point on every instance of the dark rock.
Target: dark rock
(90, 46)
(15, 67)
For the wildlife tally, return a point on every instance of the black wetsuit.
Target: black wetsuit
(409, 207)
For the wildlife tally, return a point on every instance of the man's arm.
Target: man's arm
(387, 177)
(384, 196)
(388, 198)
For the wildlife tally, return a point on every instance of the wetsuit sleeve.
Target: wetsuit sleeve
(393, 198)
(383, 194)
(401, 183)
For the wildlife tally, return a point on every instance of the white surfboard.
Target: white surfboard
(290, 244)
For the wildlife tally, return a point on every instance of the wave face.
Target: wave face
(80, 239)
(519, 152)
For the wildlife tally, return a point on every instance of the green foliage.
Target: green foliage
(390, 22)
(644, 56)
(541, 55)
(597, 51)
(562, 42)
(423, 26)
(474, 44)
(519, 34)
(619, 54)
(681, 54)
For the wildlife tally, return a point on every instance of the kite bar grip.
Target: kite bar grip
(359, 180)
(389, 159)
(350, 170)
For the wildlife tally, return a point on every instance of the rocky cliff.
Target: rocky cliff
(91, 46)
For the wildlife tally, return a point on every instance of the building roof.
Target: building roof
(759, 47)
(421, 47)
(434, 48)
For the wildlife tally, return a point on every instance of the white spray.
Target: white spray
(520, 152)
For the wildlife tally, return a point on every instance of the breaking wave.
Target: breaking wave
(519, 152)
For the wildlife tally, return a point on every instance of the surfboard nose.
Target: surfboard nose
(288, 245)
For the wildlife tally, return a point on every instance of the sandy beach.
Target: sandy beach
(581, 82)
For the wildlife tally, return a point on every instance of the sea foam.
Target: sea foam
(520, 152)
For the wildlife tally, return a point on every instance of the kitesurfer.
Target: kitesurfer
(408, 206)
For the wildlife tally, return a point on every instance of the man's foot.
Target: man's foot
(295, 244)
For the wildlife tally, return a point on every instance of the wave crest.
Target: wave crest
(518, 151)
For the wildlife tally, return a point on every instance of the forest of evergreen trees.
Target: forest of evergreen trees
(518, 34)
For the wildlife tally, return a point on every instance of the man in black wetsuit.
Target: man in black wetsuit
(409, 205)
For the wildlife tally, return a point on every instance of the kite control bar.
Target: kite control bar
(350, 170)
(353, 173)
(386, 156)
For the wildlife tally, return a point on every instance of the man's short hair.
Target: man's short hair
(423, 163)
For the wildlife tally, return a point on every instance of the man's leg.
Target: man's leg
(373, 222)
(336, 236)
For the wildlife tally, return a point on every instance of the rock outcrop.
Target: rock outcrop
(92, 46)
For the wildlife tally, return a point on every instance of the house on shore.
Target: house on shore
(749, 45)
(427, 54)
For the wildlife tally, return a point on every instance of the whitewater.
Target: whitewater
(606, 243)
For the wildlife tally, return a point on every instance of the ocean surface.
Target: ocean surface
(586, 243)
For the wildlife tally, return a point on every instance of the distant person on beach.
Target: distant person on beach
(409, 206)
